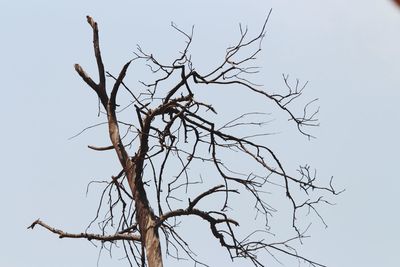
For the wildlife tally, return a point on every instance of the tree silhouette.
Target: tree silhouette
(168, 131)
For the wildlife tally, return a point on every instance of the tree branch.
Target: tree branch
(101, 148)
(97, 53)
(109, 238)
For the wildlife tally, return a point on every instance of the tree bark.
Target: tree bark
(134, 169)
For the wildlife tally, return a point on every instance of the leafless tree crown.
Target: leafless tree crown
(168, 132)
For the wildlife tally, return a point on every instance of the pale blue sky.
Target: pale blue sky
(348, 50)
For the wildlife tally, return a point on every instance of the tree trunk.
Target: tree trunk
(134, 169)
(150, 238)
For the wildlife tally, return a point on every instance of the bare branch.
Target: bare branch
(86, 77)
(97, 53)
(118, 83)
(101, 148)
(109, 238)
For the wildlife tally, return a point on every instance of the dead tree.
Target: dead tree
(169, 131)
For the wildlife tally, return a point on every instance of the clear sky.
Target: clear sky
(349, 51)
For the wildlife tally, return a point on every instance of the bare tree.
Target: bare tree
(171, 131)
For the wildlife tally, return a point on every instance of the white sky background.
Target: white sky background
(348, 50)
